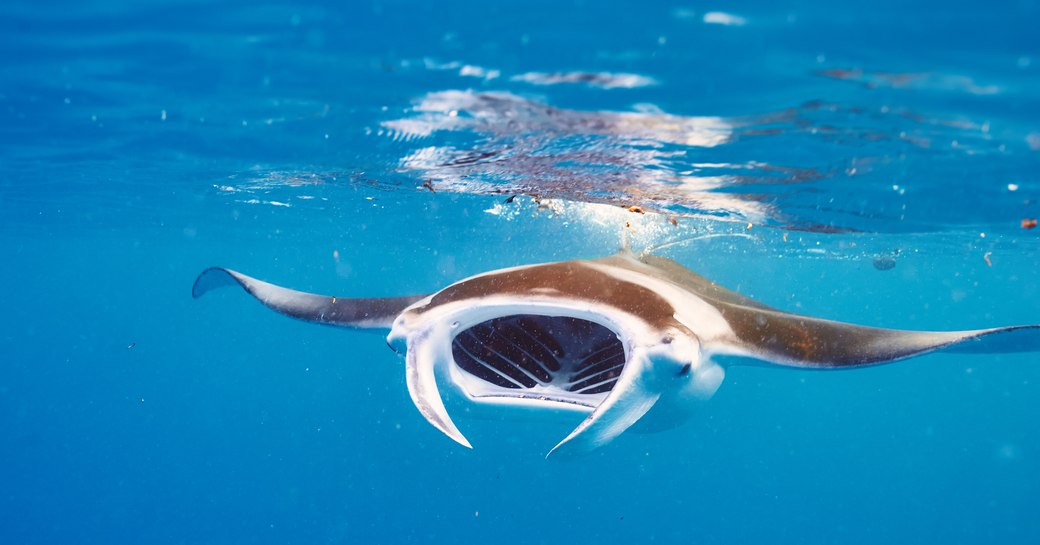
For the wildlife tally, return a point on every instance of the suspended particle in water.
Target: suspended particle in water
(1028, 223)
(884, 262)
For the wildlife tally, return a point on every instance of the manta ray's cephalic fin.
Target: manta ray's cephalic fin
(376, 312)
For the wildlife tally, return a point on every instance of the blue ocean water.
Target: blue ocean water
(371, 148)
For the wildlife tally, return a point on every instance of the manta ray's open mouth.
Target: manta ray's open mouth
(557, 358)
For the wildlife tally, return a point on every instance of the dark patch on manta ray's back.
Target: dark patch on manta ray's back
(569, 279)
(814, 343)
(780, 336)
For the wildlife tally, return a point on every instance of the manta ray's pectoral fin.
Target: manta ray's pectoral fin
(799, 341)
(1000, 340)
(324, 309)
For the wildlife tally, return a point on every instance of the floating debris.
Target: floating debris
(429, 186)
(985, 256)
(884, 262)
(1028, 223)
(636, 209)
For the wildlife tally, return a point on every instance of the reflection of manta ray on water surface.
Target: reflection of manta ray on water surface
(623, 338)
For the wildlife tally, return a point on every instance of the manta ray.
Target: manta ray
(625, 339)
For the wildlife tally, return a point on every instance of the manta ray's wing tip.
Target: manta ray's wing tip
(211, 279)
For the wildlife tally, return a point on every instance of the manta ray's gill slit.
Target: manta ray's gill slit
(535, 353)
(508, 353)
(599, 372)
(604, 387)
(603, 373)
(480, 351)
(530, 344)
(598, 361)
(545, 337)
(601, 379)
(479, 369)
(522, 351)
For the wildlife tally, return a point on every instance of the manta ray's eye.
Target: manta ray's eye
(546, 353)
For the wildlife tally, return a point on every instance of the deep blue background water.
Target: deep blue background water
(143, 141)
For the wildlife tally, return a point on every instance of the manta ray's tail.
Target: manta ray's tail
(324, 309)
